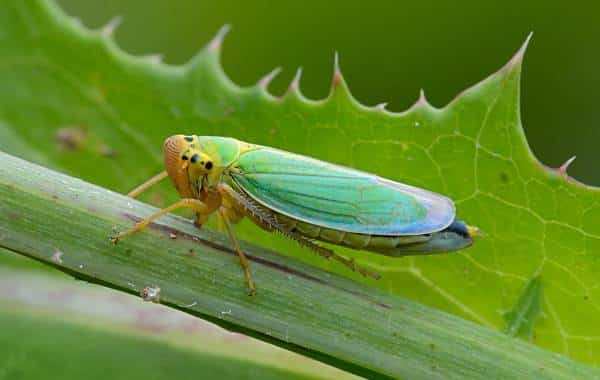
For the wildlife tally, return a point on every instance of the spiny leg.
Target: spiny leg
(330, 254)
(243, 259)
(267, 219)
(148, 184)
(194, 204)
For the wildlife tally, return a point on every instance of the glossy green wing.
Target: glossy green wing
(339, 198)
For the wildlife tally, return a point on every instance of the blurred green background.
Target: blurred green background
(391, 49)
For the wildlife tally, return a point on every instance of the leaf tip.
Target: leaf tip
(210, 55)
(153, 58)
(215, 44)
(422, 101)
(337, 72)
(264, 82)
(562, 169)
(108, 30)
(77, 22)
(518, 57)
(381, 107)
(295, 83)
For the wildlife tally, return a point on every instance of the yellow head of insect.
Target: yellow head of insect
(188, 165)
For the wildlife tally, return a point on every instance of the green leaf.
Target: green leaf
(111, 112)
(63, 221)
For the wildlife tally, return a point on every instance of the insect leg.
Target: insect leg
(243, 259)
(268, 220)
(330, 254)
(148, 184)
(195, 204)
(244, 206)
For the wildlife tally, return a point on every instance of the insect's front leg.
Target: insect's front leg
(231, 209)
(195, 204)
(236, 245)
(231, 212)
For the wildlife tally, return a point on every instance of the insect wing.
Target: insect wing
(339, 198)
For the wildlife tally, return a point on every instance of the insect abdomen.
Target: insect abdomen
(349, 239)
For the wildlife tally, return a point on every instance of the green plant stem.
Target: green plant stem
(66, 223)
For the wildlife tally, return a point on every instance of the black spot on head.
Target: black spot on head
(194, 158)
(189, 138)
(184, 157)
(208, 165)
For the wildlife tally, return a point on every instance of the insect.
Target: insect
(304, 199)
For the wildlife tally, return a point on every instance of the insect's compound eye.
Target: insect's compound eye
(194, 158)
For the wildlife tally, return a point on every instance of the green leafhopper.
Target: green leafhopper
(304, 199)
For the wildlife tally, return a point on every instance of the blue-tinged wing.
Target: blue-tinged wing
(339, 198)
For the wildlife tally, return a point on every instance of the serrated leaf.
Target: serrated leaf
(536, 221)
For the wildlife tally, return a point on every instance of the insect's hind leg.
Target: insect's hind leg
(330, 254)
(268, 220)
(243, 259)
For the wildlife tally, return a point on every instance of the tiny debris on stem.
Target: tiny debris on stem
(190, 305)
(150, 294)
(57, 257)
(173, 235)
(225, 312)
